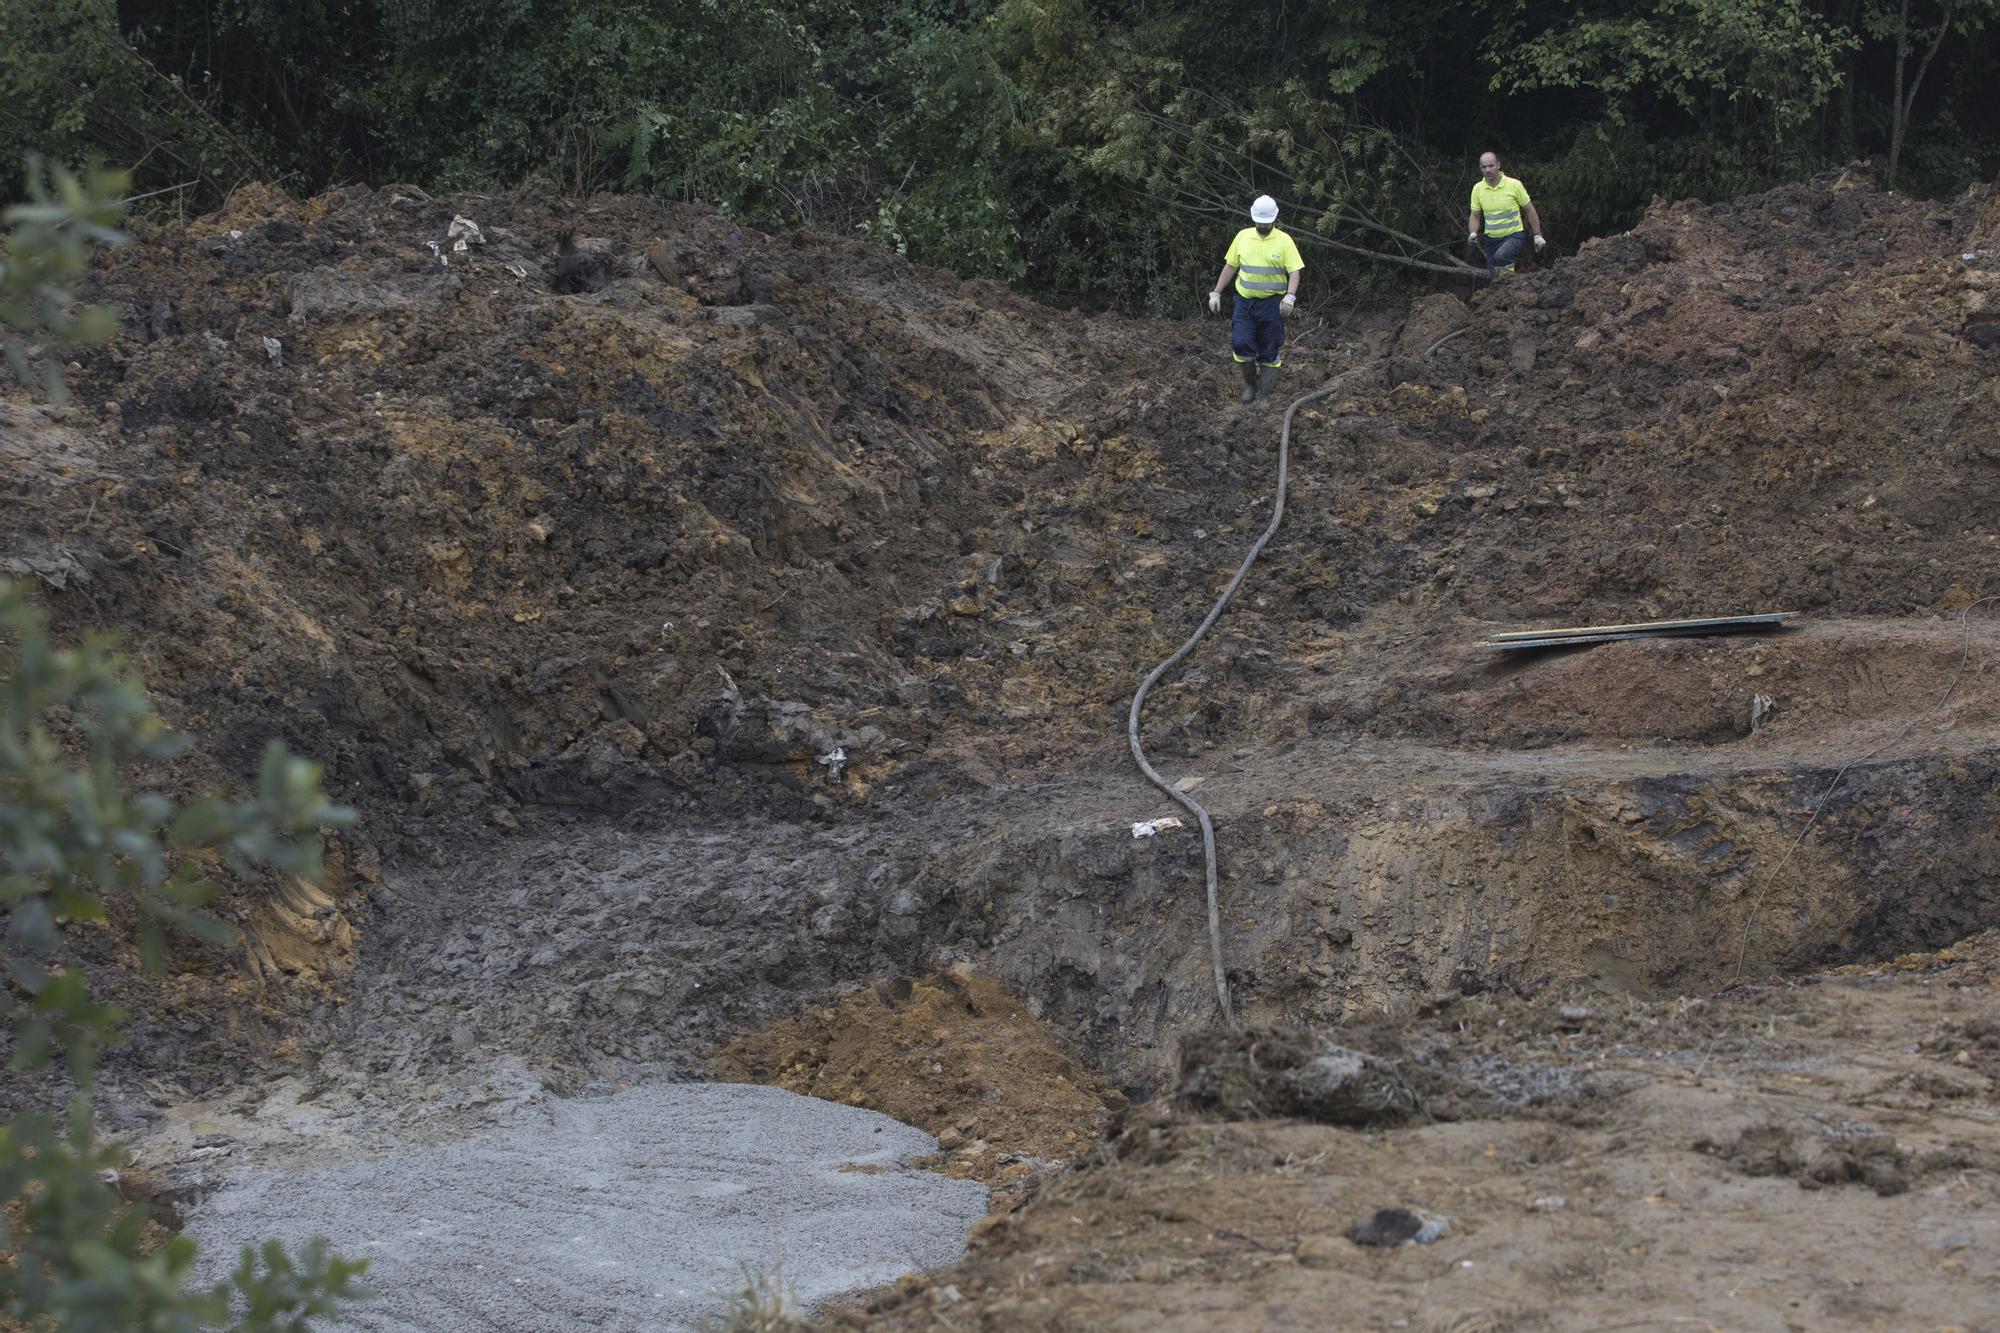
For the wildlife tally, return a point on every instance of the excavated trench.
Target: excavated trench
(728, 651)
(1357, 880)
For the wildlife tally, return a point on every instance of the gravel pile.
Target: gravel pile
(639, 1210)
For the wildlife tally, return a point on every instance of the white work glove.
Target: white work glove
(1472, 238)
(1215, 303)
(1285, 306)
(1540, 244)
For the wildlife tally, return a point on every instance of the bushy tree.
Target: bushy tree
(1087, 152)
(77, 836)
(1916, 33)
(74, 86)
(1694, 97)
(73, 837)
(47, 248)
(1753, 72)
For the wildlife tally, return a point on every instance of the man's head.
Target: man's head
(1489, 167)
(1264, 214)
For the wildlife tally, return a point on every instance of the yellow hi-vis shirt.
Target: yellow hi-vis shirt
(1262, 262)
(1500, 204)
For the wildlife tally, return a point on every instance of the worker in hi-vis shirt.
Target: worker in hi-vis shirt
(1265, 265)
(1499, 202)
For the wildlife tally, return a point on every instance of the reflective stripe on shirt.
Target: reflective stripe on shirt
(1261, 278)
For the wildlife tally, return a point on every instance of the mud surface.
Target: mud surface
(728, 640)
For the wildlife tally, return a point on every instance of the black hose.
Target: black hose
(1447, 338)
(1187, 802)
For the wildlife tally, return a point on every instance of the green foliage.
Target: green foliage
(74, 838)
(693, 98)
(1607, 174)
(73, 86)
(280, 1294)
(1907, 27)
(1915, 33)
(1753, 72)
(47, 248)
(1947, 155)
(1091, 153)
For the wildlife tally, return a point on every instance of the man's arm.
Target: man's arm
(1534, 220)
(1472, 221)
(1222, 282)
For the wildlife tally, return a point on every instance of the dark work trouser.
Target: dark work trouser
(1501, 254)
(1257, 333)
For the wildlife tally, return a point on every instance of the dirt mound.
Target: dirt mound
(489, 542)
(1767, 402)
(953, 1054)
(1776, 1150)
(482, 538)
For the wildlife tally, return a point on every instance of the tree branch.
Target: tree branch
(1937, 40)
(1455, 267)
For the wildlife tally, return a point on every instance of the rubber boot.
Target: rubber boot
(1249, 369)
(1267, 381)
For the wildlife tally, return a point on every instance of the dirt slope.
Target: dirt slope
(576, 538)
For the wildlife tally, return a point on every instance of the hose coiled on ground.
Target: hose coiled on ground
(1186, 801)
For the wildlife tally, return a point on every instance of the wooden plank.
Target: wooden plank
(1569, 641)
(1706, 624)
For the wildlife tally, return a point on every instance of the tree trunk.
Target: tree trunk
(1847, 85)
(1900, 122)
(1897, 107)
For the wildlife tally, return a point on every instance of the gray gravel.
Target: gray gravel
(632, 1211)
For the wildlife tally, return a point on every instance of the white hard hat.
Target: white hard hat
(1264, 211)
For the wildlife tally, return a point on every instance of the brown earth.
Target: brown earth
(1811, 1156)
(953, 1054)
(578, 555)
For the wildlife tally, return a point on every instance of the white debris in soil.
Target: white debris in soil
(463, 234)
(635, 1211)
